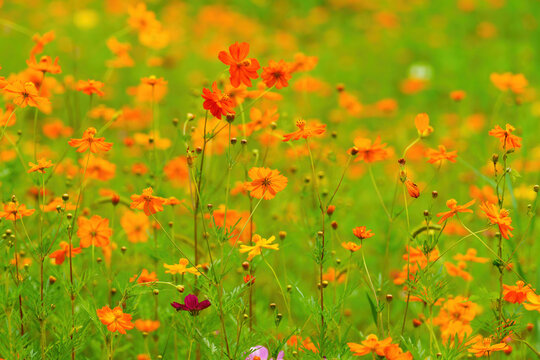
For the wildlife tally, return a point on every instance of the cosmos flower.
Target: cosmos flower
(516, 294)
(276, 73)
(361, 232)
(90, 87)
(304, 131)
(40, 166)
(369, 152)
(241, 69)
(217, 103)
(351, 246)
(265, 183)
(259, 244)
(507, 139)
(13, 211)
(454, 209)
(25, 94)
(88, 141)
(147, 202)
(483, 347)
(94, 231)
(372, 344)
(191, 304)
(436, 156)
(115, 319)
(45, 65)
(421, 121)
(262, 353)
(500, 217)
(59, 256)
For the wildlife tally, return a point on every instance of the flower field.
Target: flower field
(269, 180)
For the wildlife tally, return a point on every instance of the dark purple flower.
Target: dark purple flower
(191, 304)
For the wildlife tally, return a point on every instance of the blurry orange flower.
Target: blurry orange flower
(304, 131)
(90, 87)
(276, 73)
(482, 346)
(147, 202)
(94, 231)
(499, 217)
(45, 65)
(136, 226)
(351, 246)
(516, 294)
(362, 232)
(454, 209)
(56, 129)
(458, 95)
(265, 183)
(369, 152)
(41, 41)
(241, 69)
(440, 155)
(303, 62)
(13, 211)
(140, 18)
(332, 275)
(115, 319)
(458, 270)
(60, 255)
(508, 81)
(177, 170)
(533, 302)
(300, 344)
(40, 166)
(153, 81)
(8, 117)
(216, 102)
(421, 121)
(505, 136)
(372, 344)
(88, 141)
(25, 94)
(146, 326)
(258, 244)
(145, 278)
(470, 255)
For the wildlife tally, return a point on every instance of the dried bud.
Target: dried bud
(65, 197)
(272, 306)
(330, 210)
(324, 284)
(426, 213)
(340, 87)
(245, 265)
(243, 141)
(233, 140)
(115, 199)
(180, 288)
(535, 188)
(434, 194)
(52, 279)
(401, 161)
(175, 122)
(282, 235)
(123, 249)
(495, 158)
(334, 225)
(155, 292)
(230, 118)
(389, 297)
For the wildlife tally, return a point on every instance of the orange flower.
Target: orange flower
(304, 131)
(351, 246)
(482, 346)
(147, 202)
(140, 18)
(217, 103)
(533, 302)
(60, 255)
(435, 156)
(259, 244)
(177, 170)
(516, 293)
(153, 81)
(362, 233)
(242, 70)
(412, 188)
(508, 81)
(89, 142)
(181, 268)
(94, 231)
(45, 64)
(470, 255)
(505, 136)
(265, 183)
(115, 319)
(40, 166)
(145, 278)
(41, 41)
(25, 94)
(276, 73)
(13, 211)
(90, 87)
(421, 121)
(146, 326)
(372, 344)
(454, 270)
(454, 209)
(499, 217)
(369, 152)
(136, 226)
(458, 95)
(8, 117)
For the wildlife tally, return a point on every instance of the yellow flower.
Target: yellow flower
(260, 243)
(181, 268)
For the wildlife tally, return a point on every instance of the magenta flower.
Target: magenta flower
(191, 304)
(262, 353)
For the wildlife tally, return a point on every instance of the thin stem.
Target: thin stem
(379, 193)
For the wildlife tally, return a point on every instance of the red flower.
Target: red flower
(276, 73)
(216, 102)
(242, 70)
